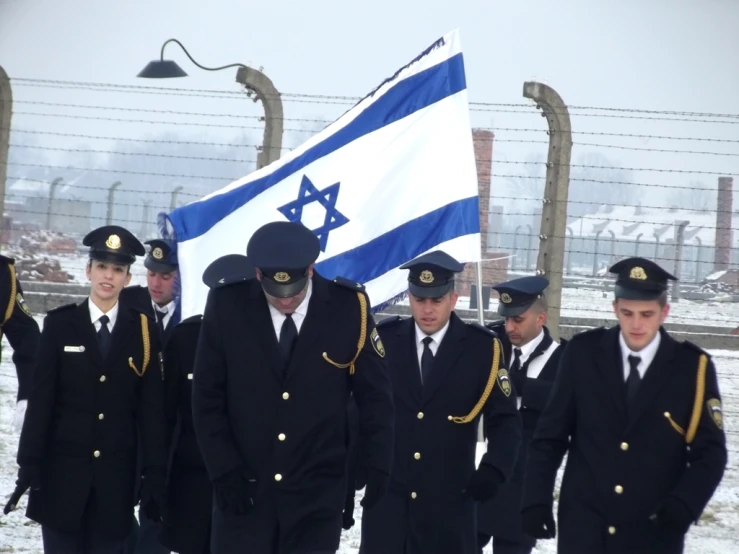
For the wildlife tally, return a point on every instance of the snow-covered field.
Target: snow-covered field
(716, 533)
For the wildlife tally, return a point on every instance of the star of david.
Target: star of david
(308, 194)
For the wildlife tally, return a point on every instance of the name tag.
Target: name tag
(74, 348)
(189, 376)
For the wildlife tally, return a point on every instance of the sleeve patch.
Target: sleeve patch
(377, 343)
(22, 304)
(714, 409)
(504, 382)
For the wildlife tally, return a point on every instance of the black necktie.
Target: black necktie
(288, 336)
(427, 359)
(633, 380)
(516, 365)
(104, 335)
(160, 319)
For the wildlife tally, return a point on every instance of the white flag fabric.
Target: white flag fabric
(391, 179)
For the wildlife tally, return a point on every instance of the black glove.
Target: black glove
(519, 381)
(347, 519)
(484, 483)
(674, 516)
(152, 495)
(538, 522)
(375, 489)
(235, 491)
(28, 477)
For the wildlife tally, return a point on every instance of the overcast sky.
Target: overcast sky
(649, 54)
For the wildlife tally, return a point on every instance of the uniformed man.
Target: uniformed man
(97, 384)
(22, 332)
(639, 415)
(158, 297)
(534, 359)
(157, 300)
(190, 494)
(446, 373)
(276, 362)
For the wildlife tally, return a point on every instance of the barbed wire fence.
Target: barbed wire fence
(86, 154)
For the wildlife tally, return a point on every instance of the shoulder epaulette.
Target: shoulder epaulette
(192, 319)
(60, 308)
(140, 310)
(695, 347)
(5, 259)
(348, 283)
(482, 328)
(597, 331)
(392, 320)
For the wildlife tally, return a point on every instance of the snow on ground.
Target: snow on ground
(714, 535)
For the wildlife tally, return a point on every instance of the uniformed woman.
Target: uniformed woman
(97, 388)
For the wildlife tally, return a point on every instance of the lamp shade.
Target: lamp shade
(162, 69)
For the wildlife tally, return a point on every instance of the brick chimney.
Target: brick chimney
(493, 272)
(724, 210)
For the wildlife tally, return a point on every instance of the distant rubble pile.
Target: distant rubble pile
(721, 282)
(32, 262)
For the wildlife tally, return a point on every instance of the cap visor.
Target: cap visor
(111, 257)
(636, 294)
(158, 267)
(429, 292)
(511, 311)
(283, 291)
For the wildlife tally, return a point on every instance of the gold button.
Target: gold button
(612, 530)
(96, 453)
(449, 417)
(101, 416)
(278, 477)
(102, 378)
(281, 436)
(414, 495)
(624, 446)
(667, 414)
(417, 455)
(619, 489)
(420, 415)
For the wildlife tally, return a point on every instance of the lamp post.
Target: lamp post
(253, 80)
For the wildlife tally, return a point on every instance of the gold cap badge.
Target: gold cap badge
(114, 242)
(157, 253)
(638, 273)
(281, 277)
(426, 277)
(505, 298)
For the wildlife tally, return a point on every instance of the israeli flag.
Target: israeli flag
(391, 179)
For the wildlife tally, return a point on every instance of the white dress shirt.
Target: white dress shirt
(96, 313)
(167, 310)
(526, 351)
(298, 316)
(436, 339)
(646, 354)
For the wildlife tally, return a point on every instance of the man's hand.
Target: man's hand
(152, 496)
(377, 483)
(235, 491)
(28, 477)
(484, 483)
(538, 522)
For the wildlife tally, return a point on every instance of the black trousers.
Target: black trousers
(81, 542)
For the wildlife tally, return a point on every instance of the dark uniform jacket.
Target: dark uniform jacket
(84, 418)
(425, 511)
(138, 297)
(287, 426)
(18, 325)
(501, 516)
(189, 491)
(623, 464)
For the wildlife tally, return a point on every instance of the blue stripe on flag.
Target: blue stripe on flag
(394, 248)
(408, 96)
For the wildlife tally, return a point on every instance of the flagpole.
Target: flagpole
(480, 308)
